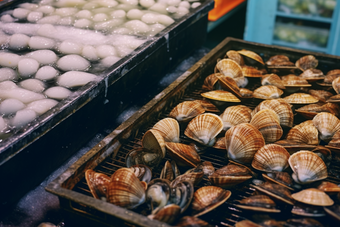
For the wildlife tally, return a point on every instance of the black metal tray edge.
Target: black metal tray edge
(63, 184)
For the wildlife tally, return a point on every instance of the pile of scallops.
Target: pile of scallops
(276, 124)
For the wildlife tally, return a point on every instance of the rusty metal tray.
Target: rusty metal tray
(34, 151)
(109, 154)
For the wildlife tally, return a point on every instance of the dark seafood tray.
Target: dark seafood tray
(32, 153)
(109, 155)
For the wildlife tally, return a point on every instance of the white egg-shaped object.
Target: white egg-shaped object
(138, 27)
(173, 2)
(10, 106)
(18, 41)
(57, 92)
(67, 21)
(82, 23)
(44, 57)
(33, 85)
(27, 67)
(45, 9)
(108, 3)
(121, 31)
(109, 61)
(75, 79)
(46, 73)
(195, 5)
(147, 3)
(34, 16)
(29, 6)
(23, 117)
(40, 43)
(129, 2)
(105, 50)
(118, 14)
(108, 25)
(90, 53)
(122, 50)
(9, 59)
(100, 17)
(54, 19)
(84, 14)
(159, 8)
(134, 14)
(4, 40)
(164, 19)
(21, 94)
(66, 11)
(69, 3)
(181, 11)
(7, 85)
(42, 106)
(73, 62)
(90, 5)
(69, 47)
(150, 18)
(156, 28)
(8, 74)
(184, 4)
(20, 13)
(7, 18)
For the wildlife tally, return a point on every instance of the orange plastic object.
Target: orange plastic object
(222, 7)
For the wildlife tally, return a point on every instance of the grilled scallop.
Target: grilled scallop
(268, 123)
(307, 167)
(327, 124)
(267, 92)
(313, 196)
(235, 115)
(204, 128)
(305, 133)
(169, 129)
(242, 142)
(270, 158)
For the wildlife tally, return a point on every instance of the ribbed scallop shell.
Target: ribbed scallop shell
(279, 60)
(204, 128)
(333, 72)
(252, 55)
(329, 187)
(307, 167)
(209, 82)
(268, 123)
(281, 108)
(293, 80)
(249, 71)
(307, 62)
(168, 128)
(311, 74)
(267, 92)
(271, 157)
(190, 221)
(208, 106)
(242, 142)
(246, 93)
(229, 84)
(229, 68)
(235, 115)
(320, 94)
(234, 55)
(208, 198)
(314, 197)
(330, 78)
(258, 203)
(183, 154)
(305, 133)
(154, 141)
(229, 176)
(125, 189)
(272, 79)
(218, 95)
(336, 85)
(186, 110)
(327, 124)
(97, 182)
(300, 98)
(167, 214)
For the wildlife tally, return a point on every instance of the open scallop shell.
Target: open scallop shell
(246, 93)
(229, 84)
(305, 133)
(313, 197)
(220, 96)
(275, 191)
(234, 55)
(252, 72)
(97, 182)
(281, 108)
(307, 167)
(322, 95)
(300, 98)
(169, 129)
(336, 85)
(229, 68)
(267, 92)
(241, 148)
(329, 187)
(186, 110)
(268, 123)
(259, 203)
(272, 79)
(279, 60)
(167, 214)
(293, 146)
(210, 82)
(204, 128)
(208, 106)
(184, 155)
(293, 81)
(235, 115)
(153, 141)
(252, 55)
(327, 124)
(207, 198)
(312, 75)
(271, 157)
(307, 62)
(281, 178)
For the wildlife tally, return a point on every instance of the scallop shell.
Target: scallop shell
(293, 146)
(169, 129)
(271, 157)
(307, 62)
(276, 191)
(125, 189)
(327, 124)
(300, 98)
(249, 71)
(305, 133)
(186, 110)
(267, 92)
(229, 68)
(204, 128)
(313, 196)
(183, 154)
(258, 203)
(281, 178)
(329, 78)
(241, 148)
(281, 108)
(272, 79)
(268, 123)
(246, 93)
(97, 182)
(142, 172)
(234, 55)
(208, 198)
(208, 106)
(335, 142)
(167, 172)
(229, 176)
(328, 187)
(189, 221)
(194, 176)
(209, 82)
(167, 214)
(222, 96)
(293, 80)
(312, 73)
(336, 85)
(252, 55)
(307, 167)
(153, 141)
(229, 84)
(320, 94)
(334, 99)
(235, 115)
(279, 60)
(158, 193)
